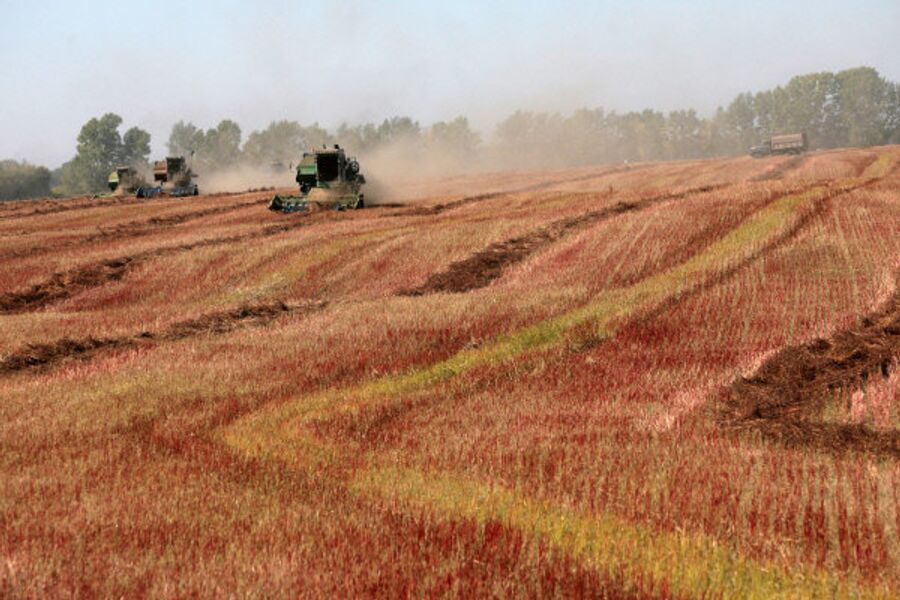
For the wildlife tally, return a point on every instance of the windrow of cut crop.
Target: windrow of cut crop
(128, 230)
(742, 245)
(42, 356)
(486, 265)
(784, 399)
(66, 284)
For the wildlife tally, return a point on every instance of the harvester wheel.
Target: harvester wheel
(361, 203)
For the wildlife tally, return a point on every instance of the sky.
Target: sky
(157, 62)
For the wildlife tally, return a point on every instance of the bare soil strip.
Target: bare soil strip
(36, 356)
(783, 400)
(486, 265)
(66, 284)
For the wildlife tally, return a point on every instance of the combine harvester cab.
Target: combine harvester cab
(328, 178)
(173, 177)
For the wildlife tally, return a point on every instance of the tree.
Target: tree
(184, 139)
(684, 131)
(23, 180)
(100, 150)
(865, 107)
(453, 139)
(282, 142)
(398, 129)
(135, 147)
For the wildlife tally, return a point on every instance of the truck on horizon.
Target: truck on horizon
(787, 143)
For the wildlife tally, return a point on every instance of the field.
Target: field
(648, 380)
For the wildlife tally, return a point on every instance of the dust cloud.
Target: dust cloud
(245, 177)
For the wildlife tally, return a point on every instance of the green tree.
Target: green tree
(100, 150)
(222, 146)
(184, 139)
(135, 147)
(684, 134)
(399, 129)
(454, 139)
(282, 142)
(20, 180)
(866, 107)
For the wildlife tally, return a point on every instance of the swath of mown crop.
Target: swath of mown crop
(131, 229)
(487, 265)
(35, 356)
(66, 284)
(602, 314)
(784, 397)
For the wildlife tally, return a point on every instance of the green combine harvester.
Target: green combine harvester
(328, 178)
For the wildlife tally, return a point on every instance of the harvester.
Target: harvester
(328, 178)
(172, 177)
(125, 180)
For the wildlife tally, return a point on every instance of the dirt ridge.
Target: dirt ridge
(131, 229)
(65, 284)
(486, 265)
(48, 206)
(36, 356)
(784, 398)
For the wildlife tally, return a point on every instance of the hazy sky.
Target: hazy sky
(159, 61)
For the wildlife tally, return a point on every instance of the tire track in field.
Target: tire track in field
(483, 267)
(784, 399)
(129, 230)
(42, 356)
(68, 283)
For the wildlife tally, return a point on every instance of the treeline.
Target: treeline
(23, 180)
(855, 107)
(100, 150)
